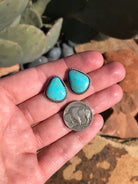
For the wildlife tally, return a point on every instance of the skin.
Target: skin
(23, 104)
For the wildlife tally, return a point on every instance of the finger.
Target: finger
(54, 128)
(39, 107)
(57, 154)
(28, 83)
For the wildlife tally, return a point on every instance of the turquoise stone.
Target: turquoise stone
(79, 82)
(56, 90)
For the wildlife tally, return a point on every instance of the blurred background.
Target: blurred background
(33, 32)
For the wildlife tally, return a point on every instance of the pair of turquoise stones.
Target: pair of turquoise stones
(56, 90)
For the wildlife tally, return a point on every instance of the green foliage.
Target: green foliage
(16, 21)
(53, 34)
(40, 5)
(21, 37)
(10, 53)
(10, 10)
(30, 39)
(32, 17)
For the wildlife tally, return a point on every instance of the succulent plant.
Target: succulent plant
(25, 43)
(21, 40)
(31, 16)
(10, 10)
(53, 34)
(16, 21)
(10, 53)
(29, 40)
(40, 5)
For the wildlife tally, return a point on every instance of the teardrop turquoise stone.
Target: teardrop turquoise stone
(79, 82)
(56, 90)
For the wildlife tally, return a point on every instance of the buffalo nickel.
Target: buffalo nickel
(77, 116)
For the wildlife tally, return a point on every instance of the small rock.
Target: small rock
(127, 105)
(130, 61)
(67, 50)
(123, 122)
(72, 44)
(54, 54)
(37, 62)
(111, 44)
(8, 70)
(121, 125)
(22, 67)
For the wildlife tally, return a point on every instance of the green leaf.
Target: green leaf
(9, 10)
(40, 5)
(30, 38)
(10, 53)
(31, 16)
(53, 34)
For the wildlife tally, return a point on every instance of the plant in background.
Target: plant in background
(21, 37)
(21, 21)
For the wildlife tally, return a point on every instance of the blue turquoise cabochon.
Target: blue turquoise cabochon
(79, 81)
(56, 90)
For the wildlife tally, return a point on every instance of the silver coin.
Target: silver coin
(77, 116)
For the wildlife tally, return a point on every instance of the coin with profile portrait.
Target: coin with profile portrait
(77, 116)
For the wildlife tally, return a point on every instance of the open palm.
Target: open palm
(23, 104)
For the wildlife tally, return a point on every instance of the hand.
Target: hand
(23, 104)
